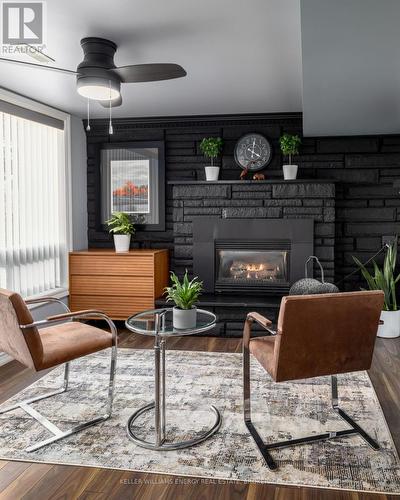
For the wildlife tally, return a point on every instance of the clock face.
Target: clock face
(253, 151)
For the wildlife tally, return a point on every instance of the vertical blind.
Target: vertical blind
(33, 215)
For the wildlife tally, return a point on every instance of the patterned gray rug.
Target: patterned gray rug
(196, 380)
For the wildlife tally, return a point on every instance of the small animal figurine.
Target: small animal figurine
(258, 177)
(243, 174)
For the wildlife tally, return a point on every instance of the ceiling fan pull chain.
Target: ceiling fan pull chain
(88, 124)
(110, 127)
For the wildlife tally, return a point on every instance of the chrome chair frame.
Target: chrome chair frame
(25, 404)
(266, 447)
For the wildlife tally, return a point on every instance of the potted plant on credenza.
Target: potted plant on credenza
(122, 228)
(384, 279)
(290, 145)
(184, 294)
(211, 147)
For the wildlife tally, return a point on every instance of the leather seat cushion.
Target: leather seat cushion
(262, 348)
(62, 343)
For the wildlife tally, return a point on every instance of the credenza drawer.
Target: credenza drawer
(124, 286)
(106, 265)
(116, 307)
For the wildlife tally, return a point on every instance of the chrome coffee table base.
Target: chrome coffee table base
(157, 328)
(177, 445)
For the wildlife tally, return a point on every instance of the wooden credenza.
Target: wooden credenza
(119, 284)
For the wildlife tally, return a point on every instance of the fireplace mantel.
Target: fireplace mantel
(252, 182)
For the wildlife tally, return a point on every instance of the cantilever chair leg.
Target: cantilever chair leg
(247, 411)
(264, 447)
(58, 433)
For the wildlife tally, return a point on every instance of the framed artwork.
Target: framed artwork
(133, 181)
(130, 186)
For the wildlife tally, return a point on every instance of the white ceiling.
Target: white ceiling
(241, 56)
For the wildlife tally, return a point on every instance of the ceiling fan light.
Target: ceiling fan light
(98, 89)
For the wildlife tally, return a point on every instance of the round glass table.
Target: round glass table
(157, 323)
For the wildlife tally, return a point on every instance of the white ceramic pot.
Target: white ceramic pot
(184, 318)
(212, 173)
(122, 242)
(391, 325)
(289, 172)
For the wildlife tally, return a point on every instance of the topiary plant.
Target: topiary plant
(290, 145)
(120, 223)
(211, 147)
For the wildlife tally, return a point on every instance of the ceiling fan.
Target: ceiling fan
(99, 79)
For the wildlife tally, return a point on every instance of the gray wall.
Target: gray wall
(351, 67)
(78, 185)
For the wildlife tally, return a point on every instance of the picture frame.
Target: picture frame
(132, 180)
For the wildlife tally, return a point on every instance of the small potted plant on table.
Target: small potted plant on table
(211, 147)
(385, 280)
(184, 294)
(290, 145)
(122, 228)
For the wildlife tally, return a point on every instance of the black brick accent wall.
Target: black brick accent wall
(367, 205)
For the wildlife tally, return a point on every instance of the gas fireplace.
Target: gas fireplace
(257, 256)
(251, 265)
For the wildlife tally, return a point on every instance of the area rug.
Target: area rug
(196, 380)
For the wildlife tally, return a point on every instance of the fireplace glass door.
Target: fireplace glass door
(251, 269)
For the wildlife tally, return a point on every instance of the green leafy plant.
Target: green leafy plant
(290, 145)
(383, 279)
(186, 293)
(211, 147)
(120, 223)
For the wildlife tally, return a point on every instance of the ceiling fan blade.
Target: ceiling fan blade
(149, 72)
(42, 66)
(114, 102)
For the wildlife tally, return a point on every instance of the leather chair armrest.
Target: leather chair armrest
(260, 319)
(88, 313)
(74, 314)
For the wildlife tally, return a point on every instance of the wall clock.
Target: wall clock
(253, 151)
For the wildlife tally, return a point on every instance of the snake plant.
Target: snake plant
(383, 279)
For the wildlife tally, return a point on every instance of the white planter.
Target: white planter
(122, 242)
(184, 318)
(391, 325)
(289, 172)
(212, 173)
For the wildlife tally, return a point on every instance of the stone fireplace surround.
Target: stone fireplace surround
(300, 199)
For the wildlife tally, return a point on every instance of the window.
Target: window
(33, 202)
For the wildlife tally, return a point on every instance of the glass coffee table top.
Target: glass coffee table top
(146, 323)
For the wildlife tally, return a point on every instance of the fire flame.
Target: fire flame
(246, 270)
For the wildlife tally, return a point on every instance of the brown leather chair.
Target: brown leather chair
(53, 345)
(316, 335)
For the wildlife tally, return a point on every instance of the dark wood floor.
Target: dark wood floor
(41, 481)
